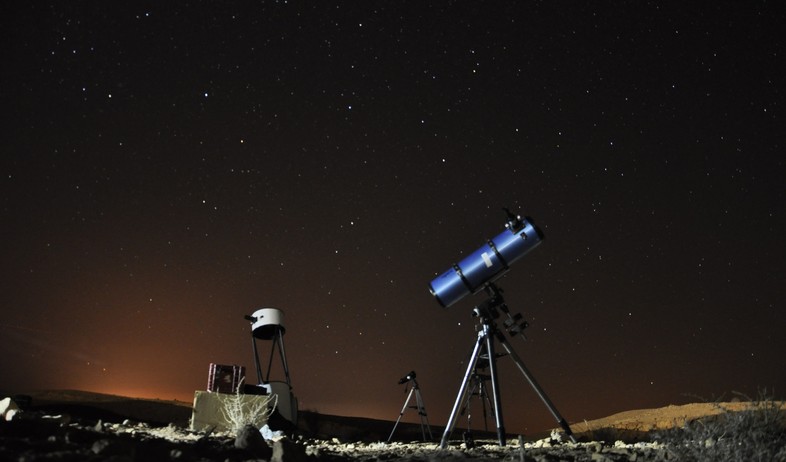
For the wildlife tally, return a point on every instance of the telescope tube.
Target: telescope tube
(485, 265)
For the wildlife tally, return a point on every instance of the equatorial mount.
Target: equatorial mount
(491, 307)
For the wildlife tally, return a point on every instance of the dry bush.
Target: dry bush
(240, 412)
(756, 434)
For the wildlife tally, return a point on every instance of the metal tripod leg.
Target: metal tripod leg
(283, 354)
(542, 394)
(423, 415)
(495, 385)
(401, 414)
(484, 400)
(474, 390)
(462, 390)
(256, 359)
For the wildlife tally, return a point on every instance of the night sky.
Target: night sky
(169, 168)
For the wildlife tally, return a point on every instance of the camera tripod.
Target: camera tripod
(488, 312)
(420, 407)
(478, 388)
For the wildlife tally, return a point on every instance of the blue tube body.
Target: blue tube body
(484, 265)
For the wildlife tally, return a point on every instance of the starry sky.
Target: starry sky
(168, 168)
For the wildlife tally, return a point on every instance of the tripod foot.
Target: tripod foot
(564, 424)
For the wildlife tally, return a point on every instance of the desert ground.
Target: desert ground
(77, 425)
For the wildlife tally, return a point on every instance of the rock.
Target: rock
(285, 450)
(597, 457)
(8, 408)
(117, 449)
(251, 440)
(80, 436)
(62, 419)
(593, 446)
(271, 435)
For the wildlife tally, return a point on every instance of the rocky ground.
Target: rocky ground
(115, 430)
(55, 438)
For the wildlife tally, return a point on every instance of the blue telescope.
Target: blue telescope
(488, 263)
(479, 271)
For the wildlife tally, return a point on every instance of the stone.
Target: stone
(117, 449)
(286, 450)
(249, 439)
(8, 409)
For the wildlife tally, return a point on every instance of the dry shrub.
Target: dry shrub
(755, 434)
(240, 412)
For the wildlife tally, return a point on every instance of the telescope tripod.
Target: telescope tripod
(421, 412)
(487, 312)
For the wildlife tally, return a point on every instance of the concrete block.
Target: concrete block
(207, 412)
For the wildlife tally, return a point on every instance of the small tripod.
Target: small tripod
(420, 407)
(487, 312)
(478, 388)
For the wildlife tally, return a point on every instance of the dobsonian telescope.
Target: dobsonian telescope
(477, 272)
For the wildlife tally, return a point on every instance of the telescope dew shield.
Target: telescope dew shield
(485, 265)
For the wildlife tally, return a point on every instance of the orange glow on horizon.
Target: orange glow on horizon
(143, 393)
